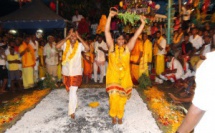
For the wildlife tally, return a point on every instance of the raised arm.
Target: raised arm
(86, 46)
(132, 41)
(60, 43)
(108, 36)
(192, 118)
(24, 51)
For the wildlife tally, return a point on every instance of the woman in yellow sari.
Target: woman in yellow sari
(118, 77)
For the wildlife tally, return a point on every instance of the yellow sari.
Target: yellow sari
(118, 72)
(118, 81)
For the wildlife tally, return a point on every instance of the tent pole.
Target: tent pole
(65, 32)
(57, 6)
(169, 21)
(179, 6)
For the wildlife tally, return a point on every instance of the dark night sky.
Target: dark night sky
(8, 6)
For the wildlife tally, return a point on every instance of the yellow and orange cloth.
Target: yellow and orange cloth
(27, 76)
(118, 71)
(28, 59)
(155, 48)
(159, 58)
(88, 67)
(66, 58)
(13, 66)
(135, 55)
(41, 68)
(117, 105)
(118, 81)
(159, 64)
(146, 58)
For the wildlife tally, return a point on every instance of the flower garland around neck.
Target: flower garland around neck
(120, 64)
(66, 58)
(177, 38)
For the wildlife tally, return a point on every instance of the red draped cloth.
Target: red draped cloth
(72, 81)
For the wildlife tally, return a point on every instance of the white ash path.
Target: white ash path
(50, 115)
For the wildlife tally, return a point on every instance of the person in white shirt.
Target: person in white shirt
(34, 43)
(71, 66)
(76, 18)
(206, 47)
(159, 52)
(174, 72)
(200, 116)
(50, 56)
(100, 50)
(195, 39)
(187, 72)
(197, 43)
(3, 71)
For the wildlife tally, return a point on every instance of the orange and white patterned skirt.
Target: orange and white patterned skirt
(72, 81)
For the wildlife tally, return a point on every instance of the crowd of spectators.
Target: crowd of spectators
(26, 59)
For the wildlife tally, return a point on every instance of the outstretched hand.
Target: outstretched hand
(142, 19)
(113, 12)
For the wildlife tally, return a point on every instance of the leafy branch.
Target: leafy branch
(128, 17)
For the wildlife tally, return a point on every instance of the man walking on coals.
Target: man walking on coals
(71, 66)
(118, 81)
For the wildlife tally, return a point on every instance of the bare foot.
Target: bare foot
(113, 120)
(73, 116)
(119, 121)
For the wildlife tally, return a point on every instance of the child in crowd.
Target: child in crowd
(100, 48)
(13, 69)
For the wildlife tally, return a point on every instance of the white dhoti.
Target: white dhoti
(36, 72)
(95, 71)
(73, 99)
(189, 73)
(172, 77)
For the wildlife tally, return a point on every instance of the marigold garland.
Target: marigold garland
(120, 65)
(66, 58)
